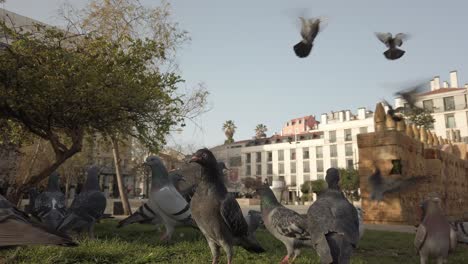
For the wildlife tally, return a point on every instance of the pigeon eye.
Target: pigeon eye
(204, 155)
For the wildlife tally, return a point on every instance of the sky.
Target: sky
(242, 51)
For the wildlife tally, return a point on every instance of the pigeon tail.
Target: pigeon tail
(134, 218)
(251, 244)
(340, 248)
(302, 49)
(394, 53)
(68, 222)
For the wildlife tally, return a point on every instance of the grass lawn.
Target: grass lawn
(139, 244)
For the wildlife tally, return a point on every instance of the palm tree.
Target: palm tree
(260, 131)
(229, 129)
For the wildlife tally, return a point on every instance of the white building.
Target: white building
(448, 105)
(301, 157)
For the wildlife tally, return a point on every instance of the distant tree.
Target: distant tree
(306, 189)
(260, 131)
(319, 186)
(349, 183)
(250, 185)
(420, 117)
(229, 129)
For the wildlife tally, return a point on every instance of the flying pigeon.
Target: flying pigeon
(165, 200)
(145, 215)
(381, 186)
(87, 207)
(393, 52)
(50, 205)
(435, 237)
(333, 223)
(284, 224)
(309, 30)
(16, 229)
(217, 214)
(410, 96)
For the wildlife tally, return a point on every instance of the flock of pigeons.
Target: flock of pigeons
(311, 27)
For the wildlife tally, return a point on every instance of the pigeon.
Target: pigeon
(380, 186)
(284, 224)
(29, 209)
(309, 30)
(217, 214)
(254, 220)
(410, 96)
(50, 205)
(461, 228)
(393, 52)
(361, 222)
(435, 236)
(165, 200)
(333, 223)
(16, 229)
(145, 215)
(87, 207)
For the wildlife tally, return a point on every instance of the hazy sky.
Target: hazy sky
(242, 50)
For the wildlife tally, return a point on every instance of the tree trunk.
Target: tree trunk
(122, 191)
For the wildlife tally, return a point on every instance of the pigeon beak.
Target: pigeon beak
(194, 158)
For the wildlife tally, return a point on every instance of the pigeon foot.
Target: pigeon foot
(285, 260)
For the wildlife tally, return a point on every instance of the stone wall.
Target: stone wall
(420, 153)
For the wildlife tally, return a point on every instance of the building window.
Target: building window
(334, 163)
(320, 176)
(347, 134)
(428, 105)
(449, 103)
(305, 153)
(293, 181)
(319, 152)
(270, 156)
(300, 121)
(247, 158)
(332, 136)
(306, 167)
(319, 165)
(293, 154)
(349, 149)
(281, 168)
(333, 151)
(349, 163)
(362, 130)
(306, 177)
(235, 161)
(293, 167)
(259, 157)
(259, 170)
(247, 170)
(280, 154)
(270, 169)
(450, 121)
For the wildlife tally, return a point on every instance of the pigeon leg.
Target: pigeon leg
(423, 259)
(214, 251)
(228, 249)
(91, 231)
(297, 252)
(285, 260)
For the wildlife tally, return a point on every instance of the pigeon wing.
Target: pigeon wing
(420, 237)
(232, 216)
(289, 223)
(384, 38)
(399, 39)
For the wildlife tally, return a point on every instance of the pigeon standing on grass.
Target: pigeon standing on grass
(87, 207)
(254, 220)
(435, 236)
(393, 52)
(309, 30)
(50, 205)
(217, 214)
(17, 230)
(333, 223)
(284, 224)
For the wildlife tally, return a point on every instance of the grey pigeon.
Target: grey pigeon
(284, 224)
(145, 215)
(165, 200)
(333, 223)
(435, 238)
(87, 207)
(50, 205)
(309, 30)
(217, 214)
(461, 228)
(381, 186)
(393, 52)
(16, 229)
(254, 220)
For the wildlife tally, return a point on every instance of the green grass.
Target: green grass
(139, 244)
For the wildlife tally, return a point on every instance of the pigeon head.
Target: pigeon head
(159, 172)
(205, 158)
(267, 197)
(333, 178)
(53, 184)
(153, 161)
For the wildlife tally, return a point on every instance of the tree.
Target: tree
(349, 183)
(251, 184)
(229, 129)
(260, 131)
(307, 190)
(420, 117)
(319, 186)
(59, 86)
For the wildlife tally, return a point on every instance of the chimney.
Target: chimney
(361, 113)
(436, 83)
(445, 84)
(453, 79)
(348, 115)
(432, 85)
(341, 116)
(324, 119)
